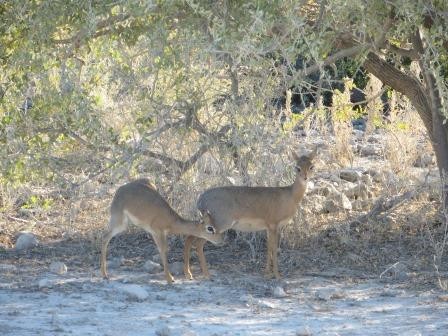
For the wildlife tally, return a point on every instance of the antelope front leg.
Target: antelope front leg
(187, 249)
(268, 270)
(162, 245)
(200, 250)
(274, 250)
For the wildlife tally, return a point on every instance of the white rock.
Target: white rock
(265, 304)
(310, 185)
(279, 292)
(58, 267)
(135, 292)
(314, 203)
(152, 267)
(336, 202)
(26, 241)
(324, 294)
(164, 331)
(44, 283)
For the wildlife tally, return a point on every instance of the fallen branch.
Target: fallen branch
(383, 205)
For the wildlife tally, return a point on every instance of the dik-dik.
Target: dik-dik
(251, 209)
(139, 202)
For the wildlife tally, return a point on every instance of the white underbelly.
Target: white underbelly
(252, 225)
(136, 221)
(249, 225)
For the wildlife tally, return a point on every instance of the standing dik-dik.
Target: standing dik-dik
(139, 202)
(252, 209)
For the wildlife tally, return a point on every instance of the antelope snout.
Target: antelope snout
(217, 239)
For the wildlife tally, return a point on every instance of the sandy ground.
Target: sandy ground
(138, 303)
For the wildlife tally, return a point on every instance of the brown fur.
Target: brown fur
(139, 202)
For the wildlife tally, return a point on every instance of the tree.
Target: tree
(390, 36)
(209, 69)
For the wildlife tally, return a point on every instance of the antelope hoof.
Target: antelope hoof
(188, 275)
(169, 278)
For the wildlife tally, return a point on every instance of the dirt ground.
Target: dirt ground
(312, 299)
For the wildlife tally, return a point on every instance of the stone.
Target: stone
(152, 267)
(314, 203)
(164, 331)
(58, 267)
(134, 292)
(279, 292)
(337, 201)
(44, 283)
(375, 138)
(26, 241)
(351, 175)
(369, 150)
(323, 294)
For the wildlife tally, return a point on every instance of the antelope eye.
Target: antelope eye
(311, 167)
(210, 229)
(298, 169)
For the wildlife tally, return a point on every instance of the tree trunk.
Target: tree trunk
(428, 106)
(440, 145)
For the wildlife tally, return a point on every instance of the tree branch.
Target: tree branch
(76, 39)
(410, 53)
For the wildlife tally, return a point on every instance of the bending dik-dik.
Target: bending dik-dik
(139, 202)
(252, 209)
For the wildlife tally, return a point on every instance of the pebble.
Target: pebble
(26, 241)
(152, 267)
(44, 283)
(135, 292)
(58, 267)
(279, 292)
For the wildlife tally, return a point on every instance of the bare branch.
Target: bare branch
(410, 53)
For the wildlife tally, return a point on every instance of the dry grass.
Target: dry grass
(411, 234)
